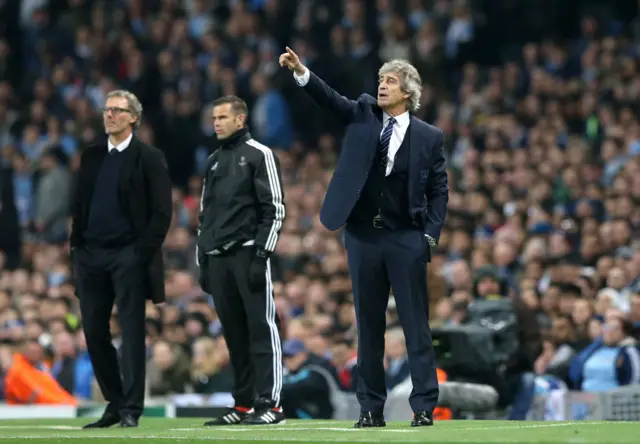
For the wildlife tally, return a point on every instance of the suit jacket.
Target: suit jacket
(145, 195)
(428, 183)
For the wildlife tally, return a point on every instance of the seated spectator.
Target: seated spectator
(306, 389)
(72, 370)
(396, 358)
(29, 381)
(167, 371)
(488, 285)
(558, 350)
(610, 362)
(344, 358)
(210, 368)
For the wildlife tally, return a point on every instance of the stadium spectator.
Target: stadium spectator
(306, 389)
(396, 359)
(608, 363)
(211, 370)
(28, 379)
(72, 369)
(168, 370)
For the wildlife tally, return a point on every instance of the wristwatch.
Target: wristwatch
(262, 253)
(431, 241)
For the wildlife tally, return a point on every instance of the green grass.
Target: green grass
(185, 431)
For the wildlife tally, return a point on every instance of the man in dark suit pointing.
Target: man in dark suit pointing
(121, 215)
(390, 189)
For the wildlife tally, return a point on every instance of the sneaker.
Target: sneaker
(266, 416)
(235, 415)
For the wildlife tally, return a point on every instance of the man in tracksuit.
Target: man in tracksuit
(241, 214)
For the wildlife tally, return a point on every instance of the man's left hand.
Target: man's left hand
(258, 271)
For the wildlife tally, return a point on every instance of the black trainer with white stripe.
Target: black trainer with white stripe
(268, 416)
(231, 417)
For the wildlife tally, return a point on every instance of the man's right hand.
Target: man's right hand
(202, 279)
(291, 60)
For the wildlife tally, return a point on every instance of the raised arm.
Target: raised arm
(323, 94)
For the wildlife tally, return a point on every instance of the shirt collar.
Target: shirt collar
(122, 145)
(402, 120)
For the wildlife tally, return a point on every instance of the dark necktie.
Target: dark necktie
(385, 138)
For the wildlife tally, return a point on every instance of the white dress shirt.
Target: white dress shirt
(399, 129)
(122, 145)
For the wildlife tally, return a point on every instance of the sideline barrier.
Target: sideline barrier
(622, 404)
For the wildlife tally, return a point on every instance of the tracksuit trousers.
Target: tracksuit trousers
(250, 326)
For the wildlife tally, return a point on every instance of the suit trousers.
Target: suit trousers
(379, 260)
(104, 276)
(250, 326)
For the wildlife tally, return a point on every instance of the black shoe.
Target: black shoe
(369, 419)
(268, 416)
(421, 419)
(107, 420)
(231, 417)
(128, 420)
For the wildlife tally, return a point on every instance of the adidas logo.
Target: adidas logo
(232, 418)
(268, 417)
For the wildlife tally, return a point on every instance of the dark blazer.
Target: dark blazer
(428, 183)
(145, 193)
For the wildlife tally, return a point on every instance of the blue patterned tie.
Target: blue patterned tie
(385, 138)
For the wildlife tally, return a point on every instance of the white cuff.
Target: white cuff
(303, 79)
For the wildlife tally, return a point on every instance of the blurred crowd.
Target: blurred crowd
(538, 103)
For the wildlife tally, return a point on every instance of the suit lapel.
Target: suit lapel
(374, 136)
(414, 158)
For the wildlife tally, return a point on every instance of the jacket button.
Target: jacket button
(357, 191)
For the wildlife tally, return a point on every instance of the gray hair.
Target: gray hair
(135, 107)
(410, 81)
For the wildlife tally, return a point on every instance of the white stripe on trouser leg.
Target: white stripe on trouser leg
(275, 339)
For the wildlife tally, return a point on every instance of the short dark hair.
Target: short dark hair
(238, 106)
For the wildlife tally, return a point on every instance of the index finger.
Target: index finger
(290, 51)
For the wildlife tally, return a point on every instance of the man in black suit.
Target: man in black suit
(390, 189)
(121, 215)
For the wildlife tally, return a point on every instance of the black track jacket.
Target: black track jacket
(242, 197)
